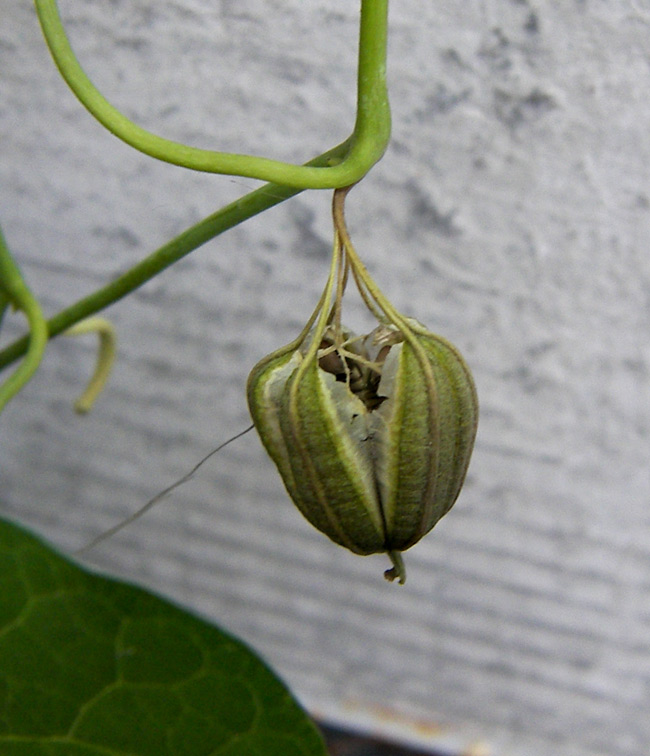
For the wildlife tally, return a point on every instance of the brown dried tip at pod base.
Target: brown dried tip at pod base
(371, 434)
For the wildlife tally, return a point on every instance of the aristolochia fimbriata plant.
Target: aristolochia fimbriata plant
(372, 434)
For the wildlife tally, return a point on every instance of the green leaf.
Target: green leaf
(91, 666)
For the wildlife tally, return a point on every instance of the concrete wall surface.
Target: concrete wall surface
(511, 214)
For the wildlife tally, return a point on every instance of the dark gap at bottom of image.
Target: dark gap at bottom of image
(348, 743)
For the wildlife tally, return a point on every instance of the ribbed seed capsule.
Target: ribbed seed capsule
(372, 435)
(373, 480)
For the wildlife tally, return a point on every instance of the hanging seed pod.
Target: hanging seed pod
(372, 435)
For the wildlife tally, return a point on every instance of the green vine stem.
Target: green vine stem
(15, 291)
(227, 217)
(366, 144)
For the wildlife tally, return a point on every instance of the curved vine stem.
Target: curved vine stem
(14, 291)
(366, 144)
(339, 166)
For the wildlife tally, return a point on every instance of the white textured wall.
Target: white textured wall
(511, 214)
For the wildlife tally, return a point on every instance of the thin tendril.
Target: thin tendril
(152, 502)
